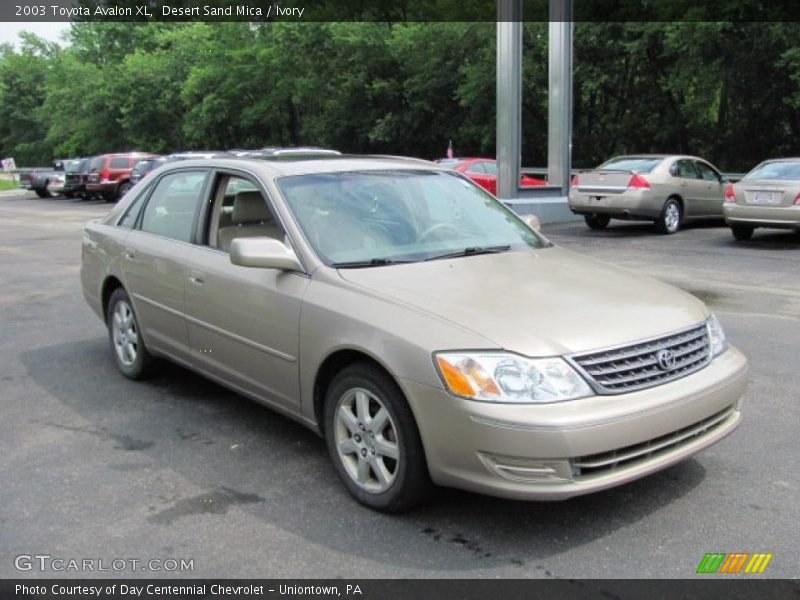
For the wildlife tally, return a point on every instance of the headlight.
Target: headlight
(499, 377)
(716, 336)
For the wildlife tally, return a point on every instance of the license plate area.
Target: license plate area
(764, 197)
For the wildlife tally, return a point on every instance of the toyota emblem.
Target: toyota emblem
(666, 360)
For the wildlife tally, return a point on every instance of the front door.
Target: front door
(244, 322)
(713, 189)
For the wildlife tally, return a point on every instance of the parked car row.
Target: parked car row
(110, 176)
(672, 189)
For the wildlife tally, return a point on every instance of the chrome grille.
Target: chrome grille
(636, 367)
(607, 462)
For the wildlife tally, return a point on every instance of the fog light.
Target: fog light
(526, 470)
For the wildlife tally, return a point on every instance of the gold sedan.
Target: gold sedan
(429, 334)
(768, 196)
(665, 189)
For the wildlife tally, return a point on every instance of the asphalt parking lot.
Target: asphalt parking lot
(95, 466)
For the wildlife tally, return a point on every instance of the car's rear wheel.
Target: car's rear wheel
(373, 440)
(130, 353)
(742, 232)
(671, 216)
(48, 191)
(595, 221)
(40, 192)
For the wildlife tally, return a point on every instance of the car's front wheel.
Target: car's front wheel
(130, 354)
(671, 216)
(742, 232)
(373, 440)
(595, 221)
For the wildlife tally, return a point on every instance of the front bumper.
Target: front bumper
(560, 450)
(630, 204)
(779, 217)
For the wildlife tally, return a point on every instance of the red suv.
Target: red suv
(109, 172)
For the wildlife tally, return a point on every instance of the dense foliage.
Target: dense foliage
(726, 91)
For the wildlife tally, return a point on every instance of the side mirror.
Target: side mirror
(533, 222)
(263, 253)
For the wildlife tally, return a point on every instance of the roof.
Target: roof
(305, 165)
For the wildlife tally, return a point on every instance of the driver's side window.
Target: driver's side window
(240, 210)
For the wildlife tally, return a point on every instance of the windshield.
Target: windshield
(637, 164)
(784, 169)
(380, 217)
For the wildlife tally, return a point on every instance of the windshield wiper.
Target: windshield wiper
(472, 250)
(372, 262)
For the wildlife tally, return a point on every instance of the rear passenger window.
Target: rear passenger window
(173, 204)
(129, 220)
(685, 170)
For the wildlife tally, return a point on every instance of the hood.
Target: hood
(537, 303)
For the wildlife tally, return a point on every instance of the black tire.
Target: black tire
(142, 362)
(411, 484)
(46, 193)
(742, 232)
(595, 221)
(41, 193)
(109, 196)
(667, 223)
(123, 189)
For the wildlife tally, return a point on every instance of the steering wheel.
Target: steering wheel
(437, 227)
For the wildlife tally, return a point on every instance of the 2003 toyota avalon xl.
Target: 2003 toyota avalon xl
(427, 332)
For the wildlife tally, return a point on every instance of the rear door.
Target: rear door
(154, 258)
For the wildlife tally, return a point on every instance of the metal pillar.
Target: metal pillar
(559, 112)
(509, 97)
(549, 202)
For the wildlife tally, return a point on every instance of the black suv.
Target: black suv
(75, 177)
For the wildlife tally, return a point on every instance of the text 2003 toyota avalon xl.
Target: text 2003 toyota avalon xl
(413, 320)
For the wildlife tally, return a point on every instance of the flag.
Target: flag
(450, 149)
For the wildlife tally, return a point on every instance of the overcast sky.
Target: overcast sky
(49, 31)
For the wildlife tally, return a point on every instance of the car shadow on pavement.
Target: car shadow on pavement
(769, 239)
(234, 448)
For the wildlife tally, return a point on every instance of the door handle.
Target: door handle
(196, 277)
(130, 253)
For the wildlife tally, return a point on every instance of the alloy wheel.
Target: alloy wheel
(366, 440)
(124, 333)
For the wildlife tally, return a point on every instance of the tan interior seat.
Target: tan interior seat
(250, 218)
